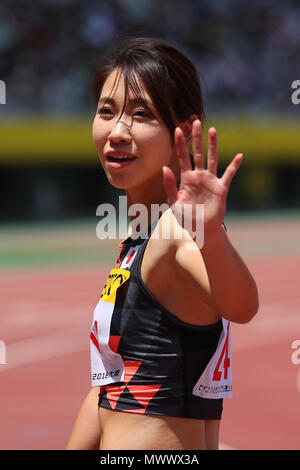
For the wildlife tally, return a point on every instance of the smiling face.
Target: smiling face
(132, 141)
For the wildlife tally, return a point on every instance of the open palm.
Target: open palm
(200, 185)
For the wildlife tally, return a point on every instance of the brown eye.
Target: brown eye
(142, 114)
(105, 112)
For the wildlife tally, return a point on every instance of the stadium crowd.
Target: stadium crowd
(247, 53)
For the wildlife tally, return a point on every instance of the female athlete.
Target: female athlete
(160, 339)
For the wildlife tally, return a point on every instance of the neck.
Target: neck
(149, 194)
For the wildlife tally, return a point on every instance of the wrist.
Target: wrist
(213, 240)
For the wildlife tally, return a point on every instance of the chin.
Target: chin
(118, 183)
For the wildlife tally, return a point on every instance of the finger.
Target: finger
(170, 185)
(232, 169)
(182, 151)
(198, 147)
(212, 154)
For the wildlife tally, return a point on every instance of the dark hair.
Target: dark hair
(168, 75)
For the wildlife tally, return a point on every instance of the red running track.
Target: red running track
(45, 319)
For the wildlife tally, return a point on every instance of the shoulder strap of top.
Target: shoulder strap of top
(132, 248)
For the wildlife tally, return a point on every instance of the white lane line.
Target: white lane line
(273, 324)
(23, 314)
(225, 447)
(298, 381)
(37, 349)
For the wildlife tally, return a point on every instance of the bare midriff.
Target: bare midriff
(121, 430)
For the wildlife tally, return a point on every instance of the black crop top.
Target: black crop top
(148, 361)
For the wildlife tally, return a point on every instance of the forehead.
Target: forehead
(114, 86)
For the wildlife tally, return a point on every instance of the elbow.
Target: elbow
(251, 305)
(246, 316)
(254, 306)
(244, 312)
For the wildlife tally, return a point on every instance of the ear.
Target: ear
(186, 127)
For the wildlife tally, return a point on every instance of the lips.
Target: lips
(113, 158)
(119, 159)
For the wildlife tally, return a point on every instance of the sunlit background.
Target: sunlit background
(51, 182)
(247, 54)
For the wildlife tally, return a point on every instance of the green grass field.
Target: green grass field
(76, 242)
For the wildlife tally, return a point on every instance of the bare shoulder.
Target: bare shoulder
(159, 256)
(176, 275)
(169, 246)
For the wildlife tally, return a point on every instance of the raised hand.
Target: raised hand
(201, 185)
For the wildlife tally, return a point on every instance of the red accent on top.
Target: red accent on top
(114, 343)
(118, 263)
(132, 253)
(95, 341)
(142, 393)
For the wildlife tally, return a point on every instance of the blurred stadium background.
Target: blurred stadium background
(51, 182)
(247, 55)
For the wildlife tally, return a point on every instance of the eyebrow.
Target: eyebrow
(132, 101)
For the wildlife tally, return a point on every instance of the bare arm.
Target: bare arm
(86, 432)
(221, 276)
(232, 287)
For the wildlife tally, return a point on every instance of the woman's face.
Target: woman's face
(134, 146)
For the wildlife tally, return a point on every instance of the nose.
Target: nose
(120, 133)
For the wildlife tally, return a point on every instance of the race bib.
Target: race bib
(107, 365)
(216, 380)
